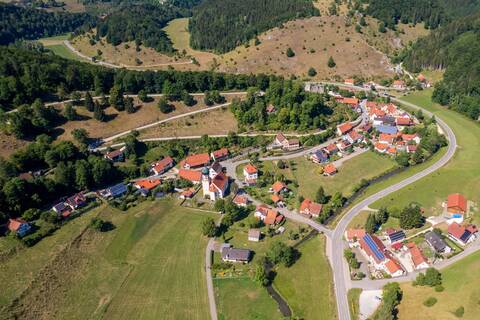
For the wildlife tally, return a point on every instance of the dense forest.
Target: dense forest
(221, 25)
(141, 23)
(28, 23)
(455, 48)
(295, 109)
(26, 75)
(432, 12)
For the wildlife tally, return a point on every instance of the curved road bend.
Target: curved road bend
(341, 277)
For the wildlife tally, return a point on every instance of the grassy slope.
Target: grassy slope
(243, 299)
(353, 302)
(461, 174)
(462, 288)
(307, 285)
(151, 263)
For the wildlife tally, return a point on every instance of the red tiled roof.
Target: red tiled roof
(472, 228)
(197, 160)
(114, 153)
(329, 169)
(381, 146)
(240, 199)
(280, 137)
(331, 147)
(397, 245)
(403, 121)
(270, 108)
(456, 201)
(408, 137)
(352, 101)
(191, 175)
(312, 207)
(271, 217)
(250, 169)
(371, 104)
(148, 184)
(398, 83)
(220, 153)
(14, 224)
(392, 266)
(345, 127)
(355, 233)
(162, 164)
(219, 181)
(188, 193)
(386, 137)
(278, 186)
(417, 255)
(276, 198)
(456, 230)
(354, 135)
(349, 81)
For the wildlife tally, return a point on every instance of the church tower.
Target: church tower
(206, 182)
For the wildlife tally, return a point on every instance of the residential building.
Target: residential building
(279, 187)
(399, 85)
(310, 208)
(196, 161)
(271, 109)
(331, 149)
(374, 249)
(395, 235)
(437, 243)
(215, 169)
(353, 137)
(460, 234)
(386, 129)
(354, 235)
(187, 194)
(19, 226)
(162, 166)
(230, 254)
(456, 204)
(418, 259)
(147, 184)
(277, 200)
(352, 102)
(220, 154)
(254, 235)
(329, 170)
(114, 191)
(250, 172)
(240, 200)
(190, 175)
(409, 138)
(350, 82)
(344, 128)
(286, 143)
(116, 155)
(381, 147)
(267, 215)
(319, 156)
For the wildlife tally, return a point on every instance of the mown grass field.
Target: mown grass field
(149, 267)
(307, 285)
(461, 174)
(354, 302)
(243, 299)
(462, 288)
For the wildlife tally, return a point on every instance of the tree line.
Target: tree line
(221, 25)
(26, 75)
(30, 23)
(453, 48)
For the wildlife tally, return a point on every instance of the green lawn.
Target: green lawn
(307, 285)
(146, 268)
(365, 166)
(243, 299)
(462, 288)
(62, 51)
(354, 302)
(461, 174)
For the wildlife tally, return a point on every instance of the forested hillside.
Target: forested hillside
(221, 25)
(26, 75)
(432, 12)
(21, 23)
(455, 48)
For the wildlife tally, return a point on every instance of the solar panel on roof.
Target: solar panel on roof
(397, 236)
(465, 236)
(373, 246)
(118, 189)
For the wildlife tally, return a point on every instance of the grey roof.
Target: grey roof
(435, 241)
(235, 254)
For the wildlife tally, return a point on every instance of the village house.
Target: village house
(196, 161)
(381, 147)
(319, 157)
(387, 138)
(19, 226)
(116, 155)
(418, 259)
(240, 200)
(410, 138)
(353, 137)
(399, 85)
(267, 215)
(343, 146)
(193, 176)
(254, 235)
(436, 242)
(331, 149)
(230, 254)
(220, 154)
(187, 194)
(403, 122)
(271, 109)
(286, 144)
(393, 268)
(147, 184)
(65, 208)
(353, 235)
(460, 234)
(344, 128)
(388, 129)
(350, 82)
(277, 200)
(278, 187)
(456, 204)
(250, 172)
(162, 166)
(378, 256)
(214, 188)
(310, 208)
(114, 191)
(395, 235)
(329, 170)
(351, 102)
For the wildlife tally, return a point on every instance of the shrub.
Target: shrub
(312, 72)
(430, 302)
(459, 312)
(331, 63)
(290, 53)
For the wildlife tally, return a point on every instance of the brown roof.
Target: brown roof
(114, 153)
(276, 198)
(280, 137)
(353, 101)
(313, 208)
(278, 186)
(270, 219)
(417, 255)
(219, 182)
(456, 201)
(355, 233)
(220, 153)
(345, 127)
(162, 164)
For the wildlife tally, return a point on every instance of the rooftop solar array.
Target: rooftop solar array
(373, 246)
(397, 236)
